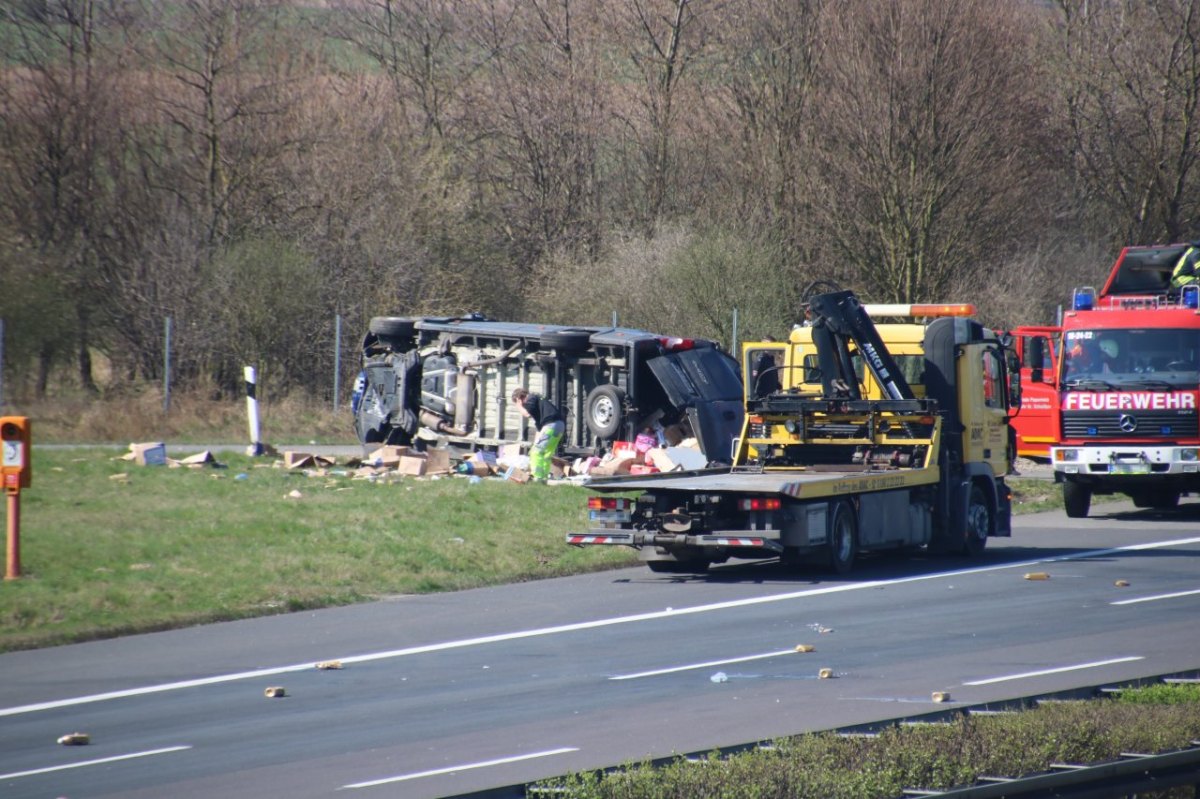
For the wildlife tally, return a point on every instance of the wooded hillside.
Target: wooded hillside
(254, 169)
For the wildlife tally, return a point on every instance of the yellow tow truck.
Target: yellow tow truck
(858, 438)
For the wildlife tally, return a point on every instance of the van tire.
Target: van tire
(566, 340)
(394, 331)
(1077, 499)
(604, 411)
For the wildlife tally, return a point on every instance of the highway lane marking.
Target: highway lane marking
(96, 762)
(692, 666)
(1058, 670)
(579, 626)
(464, 767)
(1155, 598)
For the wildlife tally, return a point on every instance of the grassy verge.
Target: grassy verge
(929, 757)
(106, 555)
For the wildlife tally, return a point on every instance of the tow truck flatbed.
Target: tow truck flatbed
(795, 483)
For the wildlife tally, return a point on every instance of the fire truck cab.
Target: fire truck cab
(1126, 383)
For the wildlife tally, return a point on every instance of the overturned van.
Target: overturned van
(448, 380)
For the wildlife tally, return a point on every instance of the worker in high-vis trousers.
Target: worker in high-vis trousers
(550, 426)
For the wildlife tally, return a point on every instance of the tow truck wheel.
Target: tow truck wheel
(979, 523)
(1077, 498)
(843, 539)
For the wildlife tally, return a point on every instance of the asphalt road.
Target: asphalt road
(450, 693)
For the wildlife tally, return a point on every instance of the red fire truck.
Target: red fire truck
(1111, 395)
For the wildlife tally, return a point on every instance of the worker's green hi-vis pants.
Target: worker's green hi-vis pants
(543, 449)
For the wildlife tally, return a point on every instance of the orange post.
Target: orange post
(13, 571)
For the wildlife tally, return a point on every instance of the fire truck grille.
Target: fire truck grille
(1129, 424)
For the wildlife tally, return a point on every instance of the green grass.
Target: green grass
(1034, 495)
(930, 757)
(167, 547)
(104, 555)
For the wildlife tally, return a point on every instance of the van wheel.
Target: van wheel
(394, 331)
(843, 539)
(979, 523)
(604, 411)
(566, 340)
(1077, 498)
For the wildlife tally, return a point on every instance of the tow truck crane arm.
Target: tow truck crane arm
(838, 319)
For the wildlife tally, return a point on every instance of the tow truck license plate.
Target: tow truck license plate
(1131, 468)
(609, 516)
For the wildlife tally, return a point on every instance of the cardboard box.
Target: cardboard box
(618, 465)
(675, 459)
(437, 461)
(508, 452)
(197, 461)
(516, 475)
(305, 460)
(152, 453)
(413, 464)
(673, 434)
(388, 455)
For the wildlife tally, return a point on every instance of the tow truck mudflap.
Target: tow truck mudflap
(718, 539)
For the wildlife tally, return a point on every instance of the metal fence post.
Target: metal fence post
(337, 359)
(167, 365)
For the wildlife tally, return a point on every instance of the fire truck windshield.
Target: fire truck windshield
(1147, 358)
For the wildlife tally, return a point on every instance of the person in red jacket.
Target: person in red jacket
(550, 426)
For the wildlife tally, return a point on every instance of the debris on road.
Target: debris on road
(274, 692)
(327, 665)
(805, 648)
(1037, 576)
(75, 739)
(1121, 583)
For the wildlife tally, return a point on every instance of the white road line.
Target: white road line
(674, 669)
(465, 767)
(1058, 670)
(576, 627)
(1155, 598)
(97, 762)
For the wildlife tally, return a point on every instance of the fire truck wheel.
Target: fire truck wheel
(843, 538)
(1077, 498)
(1159, 499)
(979, 522)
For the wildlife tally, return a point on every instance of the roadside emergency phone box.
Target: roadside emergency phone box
(152, 453)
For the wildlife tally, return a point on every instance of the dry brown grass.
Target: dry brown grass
(193, 417)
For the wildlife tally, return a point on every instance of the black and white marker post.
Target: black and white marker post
(256, 448)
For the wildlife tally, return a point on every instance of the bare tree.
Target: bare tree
(924, 142)
(55, 144)
(1129, 85)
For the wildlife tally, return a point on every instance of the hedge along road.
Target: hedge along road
(444, 694)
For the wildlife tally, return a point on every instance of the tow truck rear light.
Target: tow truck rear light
(674, 344)
(760, 504)
(608, 503)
